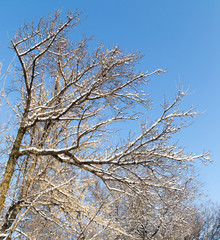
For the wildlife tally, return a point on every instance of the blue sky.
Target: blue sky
(182, 37)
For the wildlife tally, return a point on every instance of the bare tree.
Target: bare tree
(161, 212)
(63, 165)
(206, 223)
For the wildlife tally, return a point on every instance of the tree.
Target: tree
(160, 214)
(206, 223)
(63, 166)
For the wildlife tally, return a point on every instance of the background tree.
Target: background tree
(206, 223)
(65, 167)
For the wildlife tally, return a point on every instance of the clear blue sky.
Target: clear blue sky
(182, 37)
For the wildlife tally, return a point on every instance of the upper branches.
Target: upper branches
(32, 42)
(76, 96)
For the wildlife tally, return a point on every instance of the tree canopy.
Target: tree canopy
(71, 168)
